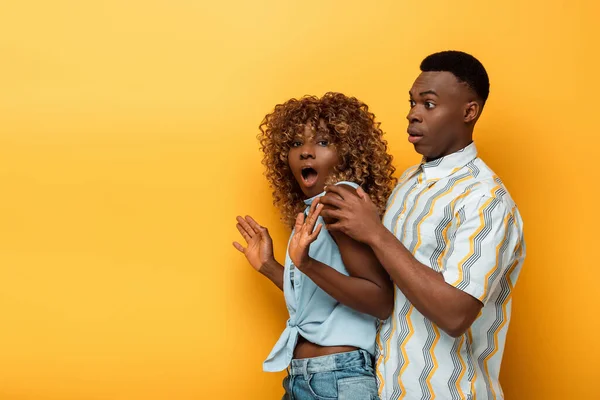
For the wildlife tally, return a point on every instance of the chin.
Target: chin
(421, 150)
(426, 152)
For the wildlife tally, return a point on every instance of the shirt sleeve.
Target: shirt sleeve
(483, 247)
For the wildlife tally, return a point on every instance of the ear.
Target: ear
(471, 112)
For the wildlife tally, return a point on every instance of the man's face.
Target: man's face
(436, 120)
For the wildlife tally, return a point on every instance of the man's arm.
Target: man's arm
(449, 308)
(436, 297)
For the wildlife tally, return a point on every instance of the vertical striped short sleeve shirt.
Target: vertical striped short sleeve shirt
(455, 216)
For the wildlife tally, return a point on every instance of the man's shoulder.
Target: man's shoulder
(487, 183)
(486, 191)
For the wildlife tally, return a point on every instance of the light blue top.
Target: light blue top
(314, 314)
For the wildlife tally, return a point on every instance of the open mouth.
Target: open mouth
(309, 176)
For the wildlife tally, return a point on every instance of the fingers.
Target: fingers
(255, 225)
(314, 205)
(335, 214)
(314, 216)
(311, 211)
(332, 200)
(361, 193)
(244, 224)
(299, 222)
(335, 227)
(315, 211)
(243, 232)
(315, 234)
(341, 191)
(239, 247)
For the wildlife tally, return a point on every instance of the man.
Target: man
(451, 240)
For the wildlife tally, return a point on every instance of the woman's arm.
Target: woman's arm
(368, 289)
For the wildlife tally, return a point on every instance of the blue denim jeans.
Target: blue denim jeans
(342, 376)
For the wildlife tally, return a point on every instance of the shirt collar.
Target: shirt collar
(446, 166)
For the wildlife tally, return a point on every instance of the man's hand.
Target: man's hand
(356, 214)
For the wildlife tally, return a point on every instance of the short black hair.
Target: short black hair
(464, 66)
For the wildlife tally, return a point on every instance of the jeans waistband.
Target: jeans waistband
(333, 362)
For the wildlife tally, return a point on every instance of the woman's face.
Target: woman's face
(312, 158)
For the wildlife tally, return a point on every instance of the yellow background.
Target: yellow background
(127, 147)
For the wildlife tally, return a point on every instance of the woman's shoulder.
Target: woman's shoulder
(349, 184)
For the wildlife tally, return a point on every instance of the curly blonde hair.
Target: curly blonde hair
(355, 134)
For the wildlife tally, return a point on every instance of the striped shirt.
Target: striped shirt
(455, 216)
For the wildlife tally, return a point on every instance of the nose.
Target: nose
(307, 151)
(414, 115)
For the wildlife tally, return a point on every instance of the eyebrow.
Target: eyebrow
(425, 93)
